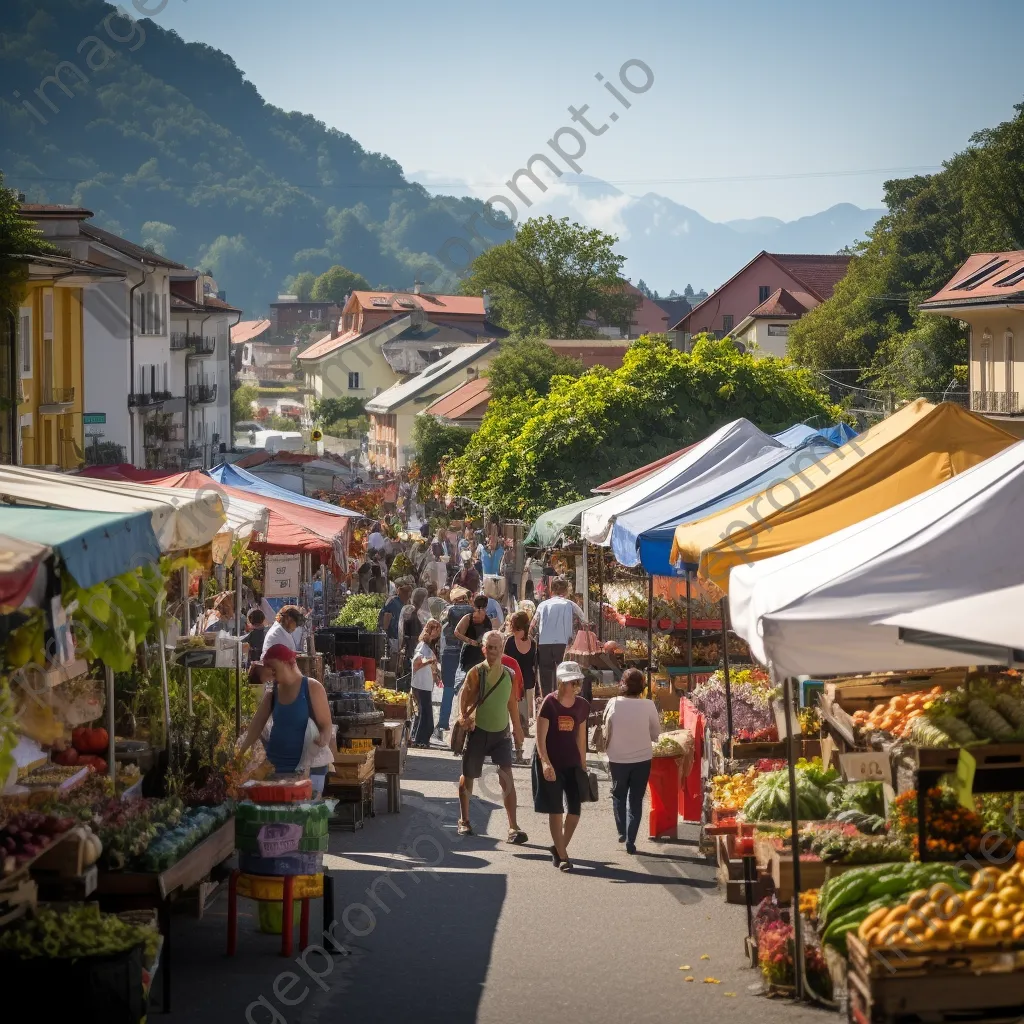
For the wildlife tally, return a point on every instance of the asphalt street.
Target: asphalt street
(437, 928)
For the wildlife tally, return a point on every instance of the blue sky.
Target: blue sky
(785, 94)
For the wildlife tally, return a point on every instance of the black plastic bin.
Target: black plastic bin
(346, 640)
(373, 645)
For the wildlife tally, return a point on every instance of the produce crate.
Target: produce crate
(271, 889)
(307, 844)
(312, 818)
(389, 762)
(393, 710)
(353, 767)
(813, 873)
(394, 733)
(989, 755)
(935, 986)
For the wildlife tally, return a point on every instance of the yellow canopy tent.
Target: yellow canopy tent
(913, 450)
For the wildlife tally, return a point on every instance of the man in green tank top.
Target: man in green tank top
(487, 707)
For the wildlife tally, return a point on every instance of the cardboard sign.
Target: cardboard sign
(964, 784)
(278, 838)
(870, 766)
(281, 576)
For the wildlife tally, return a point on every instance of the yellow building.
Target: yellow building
(48, 355)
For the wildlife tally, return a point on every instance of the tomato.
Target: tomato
(97, 764)
(90, 741)
(66, 757)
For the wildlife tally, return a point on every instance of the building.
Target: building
(394, 411)
(289, 314)
(464, 406)
(766, 328)
(243, 335)
(48, 427)
(384, 337)
(590, 352)
(807, 280)
(649, 316)
(139, 383)
(987, 294)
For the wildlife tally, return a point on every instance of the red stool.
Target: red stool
(283, 889)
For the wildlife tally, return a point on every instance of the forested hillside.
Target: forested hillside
(169, 144)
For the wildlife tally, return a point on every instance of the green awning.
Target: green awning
(551, 525)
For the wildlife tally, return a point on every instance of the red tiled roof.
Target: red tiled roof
(467, 401)
(325, 346)
(454, 305)
(781, 303)
(590, 354)
(247, 330)
(628, 479)
(986, 276)
(820, 273)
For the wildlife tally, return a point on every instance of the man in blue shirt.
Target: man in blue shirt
(492, 556)
(391, 613)
(553, 626)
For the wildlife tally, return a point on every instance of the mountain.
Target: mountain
(169, 144)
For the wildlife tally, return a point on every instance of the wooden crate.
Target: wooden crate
(65, 858)
(936, 986)
(394, 712)
(389, 762)
(353, 767)
(994, 755)
(394, 733)
(813, 873)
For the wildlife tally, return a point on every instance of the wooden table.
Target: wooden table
(134, 890)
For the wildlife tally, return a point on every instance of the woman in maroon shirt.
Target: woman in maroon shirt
(560, 758)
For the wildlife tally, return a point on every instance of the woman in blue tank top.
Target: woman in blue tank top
(293, 701)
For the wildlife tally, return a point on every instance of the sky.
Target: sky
(750, 107)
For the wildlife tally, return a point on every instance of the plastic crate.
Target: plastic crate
(286, 864)
(250, 818)
(278, 790)
(271, 888)
(307, 844)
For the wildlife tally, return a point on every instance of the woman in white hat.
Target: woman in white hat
(560, 759)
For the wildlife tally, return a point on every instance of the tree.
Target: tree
(302, 285)
(532, 454)
(330, 410)
(242, 400)
(551, 277)
(434, 443)
(335, 284)
(641, 286)
(527, 365)
(18, 238)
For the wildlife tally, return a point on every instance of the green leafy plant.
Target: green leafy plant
(361, 610)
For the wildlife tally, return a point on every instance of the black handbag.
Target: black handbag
(586, 782)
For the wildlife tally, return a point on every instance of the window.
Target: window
(48, 314)
(314, 314)
(727, 322)
(1008, 359)
(353, 382)
(25, 341)
(778, 330)
(763, 291)
(150, 313)
(46, 382)
(985, 354)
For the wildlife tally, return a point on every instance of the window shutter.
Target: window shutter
(47, 314)
(25, 342)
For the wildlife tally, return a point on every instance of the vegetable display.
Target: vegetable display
(815, 788)
(361, 610)
(25, 835)
(751, 702)
(731, 792)
(78, 931)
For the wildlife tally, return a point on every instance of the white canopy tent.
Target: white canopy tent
(735, 443)
(827, 608)
(181, 519)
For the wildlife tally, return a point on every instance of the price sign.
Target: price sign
(281, 576)
(964, 784)
(866, 767)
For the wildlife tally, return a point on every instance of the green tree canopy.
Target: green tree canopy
(18, 238)
(934, 222)
(435, 442)
(302, 285)
(330, 410)
(532, 454)
(527, 365)
(243, 398)
(551, 277)
(334, 284)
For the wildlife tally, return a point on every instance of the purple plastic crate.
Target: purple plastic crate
(286, 864)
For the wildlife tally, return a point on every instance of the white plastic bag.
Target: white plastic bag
(313, 755)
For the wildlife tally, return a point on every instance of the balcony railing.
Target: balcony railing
(105, 453)
(147, 399)
(57, 396)
(995, 401)
(202, 394)
(202, 346)
(180, 341)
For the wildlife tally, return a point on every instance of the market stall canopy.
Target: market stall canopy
(815, 609)
(739, 442)
(233, 476)
(94, 546)
(645, 534)
(800, 433)
(990, 622)
(551, 525)
(914, 449)
(630, 478)
(19, 565)
(180, 520)
(289, 528)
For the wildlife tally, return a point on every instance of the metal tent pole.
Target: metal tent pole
(600, 595)
(585, 581)
(724, 612)
(791, 742)
(689, 629)
(187, 626)
(650, 632)
(166, 692)
(238, 647)
(108, 673)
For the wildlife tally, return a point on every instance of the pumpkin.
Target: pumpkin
(90, 741)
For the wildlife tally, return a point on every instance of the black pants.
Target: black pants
(629, 781)
(424, 724)
(548, 658)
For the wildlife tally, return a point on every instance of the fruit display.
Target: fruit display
(78, 931)
(769, 734)
(670, 718)
(816, 787)
(383, 695)
(849, 899)
(731, 792)
(23, 836)
(50, 775)
(810, 722)
(953, 831)
(990, 912)
(169, 846)
(898, 714)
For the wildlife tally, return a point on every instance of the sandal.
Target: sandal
(516, 836)
(566, 866)
(555, 858)
(464, 829)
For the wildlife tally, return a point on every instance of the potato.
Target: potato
(960, 927)
(940, 892)
(981, 931)
(1004, 929)
(953, 907)
(1012, 895)
(1003, 912)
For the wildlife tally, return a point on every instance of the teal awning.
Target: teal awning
(95, 546)
(551, 525)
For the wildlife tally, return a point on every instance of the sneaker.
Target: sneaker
(630, 848)
(438, 734)
(622, 839)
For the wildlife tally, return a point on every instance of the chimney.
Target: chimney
(487, 301)
(417, 287)
(334, 329)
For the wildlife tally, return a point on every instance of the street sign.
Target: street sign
(94, 418)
